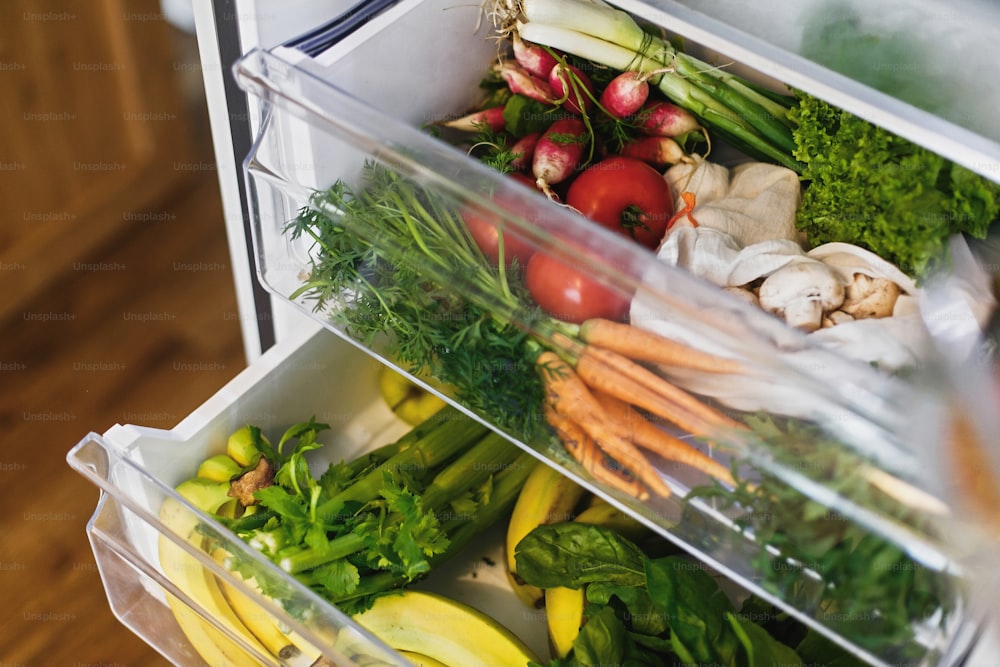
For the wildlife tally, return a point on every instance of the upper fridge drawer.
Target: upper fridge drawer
(784, 459)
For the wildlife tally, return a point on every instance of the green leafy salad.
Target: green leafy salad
(869, 187)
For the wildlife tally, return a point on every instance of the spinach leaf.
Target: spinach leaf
(640, 611)
(601, 641)
(695, 608)
(761, 649)
(574, 554)
(816, 648)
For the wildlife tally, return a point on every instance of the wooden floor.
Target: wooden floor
(142, 331)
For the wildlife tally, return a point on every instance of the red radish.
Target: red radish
(656, 151)
(473, 122)
(625, 94)
(558, 153)
(572, 85)
(537, 61)
(521, 82)
(523, 151)
(664, 119)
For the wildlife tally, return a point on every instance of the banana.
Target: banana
(408, 400)
(220, 468)
(421, 660)
(197, 583)
(603, 513)
(442, 629)
(290, 650)
(564, 617)
(214, 647)
(547, 496)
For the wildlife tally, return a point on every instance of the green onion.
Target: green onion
(747, 118)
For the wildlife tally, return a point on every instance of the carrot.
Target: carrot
(642, 345)
(656, 440)
(570, 397)
(621, 377)
(583, 448)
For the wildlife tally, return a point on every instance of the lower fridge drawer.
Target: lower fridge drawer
(312, 374)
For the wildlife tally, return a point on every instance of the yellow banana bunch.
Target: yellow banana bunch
(287, 646)
(435, 630)
(200, 585)
(547, 496)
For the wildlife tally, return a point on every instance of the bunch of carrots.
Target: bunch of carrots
(599, 390)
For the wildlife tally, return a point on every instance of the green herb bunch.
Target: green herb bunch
(859, 583)
(382, 520)
(390, 263)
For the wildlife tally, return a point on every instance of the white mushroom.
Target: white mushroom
(802, 292)
(836, 317)
(743, 293)
(870, 297)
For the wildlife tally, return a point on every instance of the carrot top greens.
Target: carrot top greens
(364, 274)
(865, 585)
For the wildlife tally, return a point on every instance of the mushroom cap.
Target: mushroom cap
(869, 297)
(810, 280)
(802, 292)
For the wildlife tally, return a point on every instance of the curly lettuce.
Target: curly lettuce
(869, 187)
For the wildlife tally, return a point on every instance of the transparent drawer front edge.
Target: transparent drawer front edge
(866, 410)
(138, 590)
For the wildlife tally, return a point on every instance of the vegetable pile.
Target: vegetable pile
(504, 356)
(862, 184)
(659, 610)
(371, 525)
(588, 107)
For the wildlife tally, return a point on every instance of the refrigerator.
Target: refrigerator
(303, 93)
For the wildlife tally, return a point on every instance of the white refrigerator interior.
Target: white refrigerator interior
(290, 351)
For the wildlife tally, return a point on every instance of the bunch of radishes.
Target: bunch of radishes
(588, 121)
(597, 143)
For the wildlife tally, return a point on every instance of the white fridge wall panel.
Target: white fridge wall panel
(255, 23)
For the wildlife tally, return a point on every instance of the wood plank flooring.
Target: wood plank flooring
(142, 331)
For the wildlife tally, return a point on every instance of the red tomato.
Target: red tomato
(626, 195)
(569, 293)
(483, 228)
